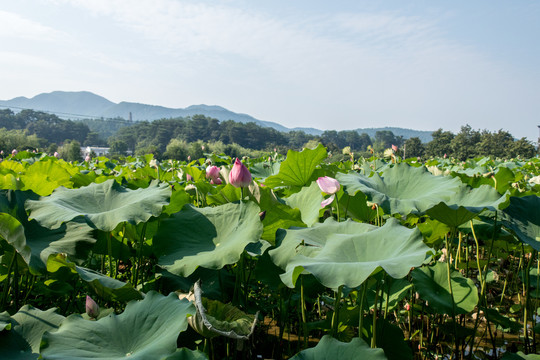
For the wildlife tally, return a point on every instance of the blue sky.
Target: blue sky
(331, 65)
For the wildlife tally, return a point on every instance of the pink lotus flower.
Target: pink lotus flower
(328, 201)
(92, 308)
(394, 147)
(216, 181)
(212, 172)
(14, 152)
(239, 175)
(328, 185)
(56, 154)
(87, 158)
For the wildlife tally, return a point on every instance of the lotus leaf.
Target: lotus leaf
(347, 253)
(27, 326)
(402, 189)
(186, 354)
(298, 168)
(211, 237)
(42, 177)
(466, 205)
(103, 206)
(308, 201)
(278, 215)
(431, 282)
(147, 329)
(107, 287)
(215, 318)
(523, 217)
(330, 348)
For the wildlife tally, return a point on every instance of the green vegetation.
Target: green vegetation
(379, 258)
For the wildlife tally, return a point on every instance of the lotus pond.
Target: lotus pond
(312, 259)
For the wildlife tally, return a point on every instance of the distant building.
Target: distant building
(99, 151)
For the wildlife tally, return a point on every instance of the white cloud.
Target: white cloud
(15, 26)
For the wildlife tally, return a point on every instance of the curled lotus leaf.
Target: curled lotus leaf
(523, 217)
(103, 206)
(466, 205)
(147, 329)
(210, 237)
(330, 348)
(26, 328)
(349, 253)
(402, 189)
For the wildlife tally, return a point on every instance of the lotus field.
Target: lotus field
(294, 257)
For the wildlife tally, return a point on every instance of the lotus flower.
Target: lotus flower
(92, 308)
(212, 172)
(216, 181)
(239, 175)
(87, 158)
(56, 154)
(328, 201)
(394, 147)
(14, 152)
(328, 185)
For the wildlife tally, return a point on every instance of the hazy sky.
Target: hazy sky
(331, 65)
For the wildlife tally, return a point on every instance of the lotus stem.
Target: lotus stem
(337, 209)
(335, 317)
(6, 285)
(374, 328)
(139, 257)
(451, 295)
(361, 310)
(303, 309)
(109, 253)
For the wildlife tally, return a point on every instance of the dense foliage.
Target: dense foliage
(308, 258)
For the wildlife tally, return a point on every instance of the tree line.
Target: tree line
(179, 138)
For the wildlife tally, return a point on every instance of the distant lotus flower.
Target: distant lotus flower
(202, 147)
(328, 201)
(189, 158)
(56, 154)
(239, 175)
(407, 306)
(212, 172)
(216, 181)
(153, 163)
(14, 152)
(189, 177)
(328, 185)
(87, 158)
(444, 156)
(394, 147)
(1, 152)
(92, 308)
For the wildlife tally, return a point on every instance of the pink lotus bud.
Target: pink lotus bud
(444, 156)
(328, 185)
(212, 172)
(56, 154)
(394, 147)
(92, 308)
(189, 177)
(14, 152)
(189, 158)
(407, 306)
(239, 175)
(202, 147)
(216, 181)
(87, 158)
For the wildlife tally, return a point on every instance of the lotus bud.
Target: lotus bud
(239, 175)
(92, 308)
(216, 181)
(262, 215)
(14, 152)
(189, 158)
(87, 158)
(56, 154)
(407, 306)
(202, 147)
(394, 148)
(189, 177)
(153, 163)
(328, 185)
(212, 172)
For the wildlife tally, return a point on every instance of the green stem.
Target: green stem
(337, 208)
(374, 331)
(335, 318)
(451, 295)
(6, 285)
(139, 257)
(361, 310)
(109, 253)
(303, 308)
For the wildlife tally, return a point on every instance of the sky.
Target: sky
(336, 65)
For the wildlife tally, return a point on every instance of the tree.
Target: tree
(71, 151)
(413, 147)
(441, 143)
(464, 143)
(522, 148)
(118, 147)
(494, 144)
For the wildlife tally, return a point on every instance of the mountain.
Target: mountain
(84, 104)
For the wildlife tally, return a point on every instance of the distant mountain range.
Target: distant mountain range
(84, 104)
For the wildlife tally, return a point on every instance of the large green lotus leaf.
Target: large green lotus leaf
(431, 282)
(103, 205)
(12, 231)
(523, 217)
(107, 287)
(211, 237)
(27, 327)
(147, 329)
(330, 348)
(347, 255)
(265, 169)
(186, 354)
(42, 177)
(308, 201)
(10, 181)
(278, 215)
(402, 189)
(466, 205)
(298, 168)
